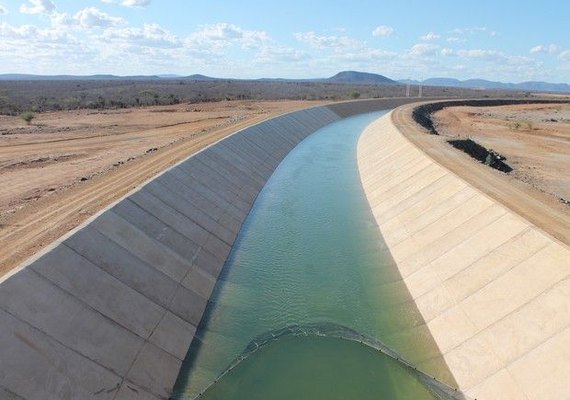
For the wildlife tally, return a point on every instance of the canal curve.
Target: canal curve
(310, 253)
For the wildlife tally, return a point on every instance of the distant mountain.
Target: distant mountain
(169, 76)
(344, 77)
(442, 82)
(363, 78)
(545, 86)
(485, 84)
(200, 77)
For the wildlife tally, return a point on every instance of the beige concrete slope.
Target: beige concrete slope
(493, 289)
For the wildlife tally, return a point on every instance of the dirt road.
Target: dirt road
(534, 138)
(67, 166)
(544, 150)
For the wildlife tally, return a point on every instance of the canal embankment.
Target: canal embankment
(492, 287)
(110, 309)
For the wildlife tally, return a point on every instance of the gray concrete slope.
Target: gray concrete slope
(110, 310)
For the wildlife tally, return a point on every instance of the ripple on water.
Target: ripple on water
(309, 253)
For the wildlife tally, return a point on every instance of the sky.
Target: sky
(504, 40)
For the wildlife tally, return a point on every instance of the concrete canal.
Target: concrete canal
(309, 253)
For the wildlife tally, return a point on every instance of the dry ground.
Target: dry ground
(534, 138)
(546, 151)
(68, 165)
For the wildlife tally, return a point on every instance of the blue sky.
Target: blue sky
(498, 40)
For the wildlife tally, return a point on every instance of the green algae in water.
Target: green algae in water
(310, 252)
(318, 368)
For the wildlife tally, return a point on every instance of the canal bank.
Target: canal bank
(309, 254)
(492, 288)
(110, 309)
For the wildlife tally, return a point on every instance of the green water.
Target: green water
(309, 252)
(317, 368)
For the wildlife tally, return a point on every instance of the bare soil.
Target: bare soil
(528, 150)
(68, 165)
(535, 139)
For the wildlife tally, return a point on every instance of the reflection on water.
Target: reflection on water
(310, 253)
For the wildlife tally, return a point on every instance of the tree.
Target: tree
(27, 116)
(355, 95)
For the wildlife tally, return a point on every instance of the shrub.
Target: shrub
(28, 116)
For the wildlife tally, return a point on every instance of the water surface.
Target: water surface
(309, 253)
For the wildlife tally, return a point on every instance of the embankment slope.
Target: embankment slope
(492, 287)
(109, 311)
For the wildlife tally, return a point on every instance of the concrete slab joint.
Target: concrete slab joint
(109, 311)
(494, 290)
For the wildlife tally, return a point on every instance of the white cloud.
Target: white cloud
(548, 49)
(472, 30)
(447, 52)
(383, 31)
(92, 17)
(460, 35)
(38, 7)
(455, 39)
(423, 50)
(221, 35)
(430, 36)
(220, 32)
(3, 10)
(33, 34)
(129, 3)
(135, 3)
(565, 55)
(62, 20)
(271, 54)
(498, 58)
(336, 43)
(480, 54)
(150, 35)
(20, 32)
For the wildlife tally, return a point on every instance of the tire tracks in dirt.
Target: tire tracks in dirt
(35, 226)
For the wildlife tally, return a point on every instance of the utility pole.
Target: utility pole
(408, 88)
(420, 90)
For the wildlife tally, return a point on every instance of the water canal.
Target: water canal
(309, 253)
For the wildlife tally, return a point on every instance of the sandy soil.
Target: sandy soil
(526, 149)
(534, 138)
(67, 166)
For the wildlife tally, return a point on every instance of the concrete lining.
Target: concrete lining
(109, 311)
(493, 288)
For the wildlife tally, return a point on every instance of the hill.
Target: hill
(363, 78)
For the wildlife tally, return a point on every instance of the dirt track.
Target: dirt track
(69, 165)
(534, 138)
(540, 207)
